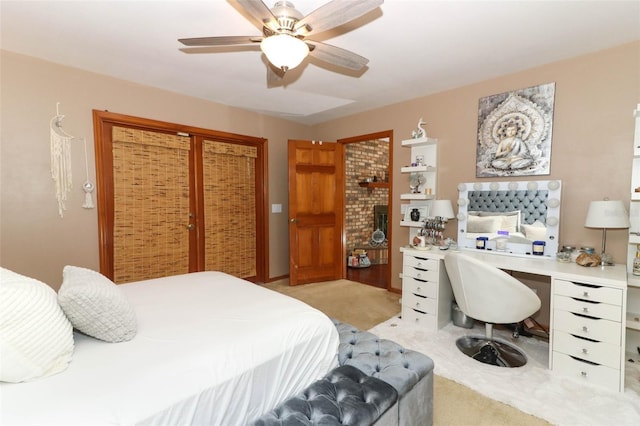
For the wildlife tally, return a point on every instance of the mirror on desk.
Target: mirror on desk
(516, 212)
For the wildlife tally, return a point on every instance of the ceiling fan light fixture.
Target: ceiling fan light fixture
(284, 51)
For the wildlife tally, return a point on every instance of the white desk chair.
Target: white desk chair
(488, 294)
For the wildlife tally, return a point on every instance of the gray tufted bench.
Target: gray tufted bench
(353, 393)
(409, 372)
(345, 396)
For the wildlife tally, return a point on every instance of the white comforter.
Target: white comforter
(210, 349)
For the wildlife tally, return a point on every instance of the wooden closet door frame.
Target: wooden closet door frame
(103, 121)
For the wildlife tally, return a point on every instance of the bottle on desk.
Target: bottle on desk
(636, 261)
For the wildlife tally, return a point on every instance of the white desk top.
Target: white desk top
(614, 276)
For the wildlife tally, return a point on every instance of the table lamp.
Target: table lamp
(442, 209)
(606, 214)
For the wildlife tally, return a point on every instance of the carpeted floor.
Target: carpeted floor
(360, 305)
(366, 306)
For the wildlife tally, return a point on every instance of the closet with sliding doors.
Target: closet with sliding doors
(174, 199)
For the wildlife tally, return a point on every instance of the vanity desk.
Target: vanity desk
(587, 320)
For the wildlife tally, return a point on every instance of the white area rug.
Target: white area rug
(533, 389)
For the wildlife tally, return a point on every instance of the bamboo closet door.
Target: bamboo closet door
(172, 203)
(152, 204)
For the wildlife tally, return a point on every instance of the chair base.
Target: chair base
(491, 351)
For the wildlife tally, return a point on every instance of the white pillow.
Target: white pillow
(510, 220)
(483, 225)
(510, 223)
(96, 306)
(36, 339)
(536, 231)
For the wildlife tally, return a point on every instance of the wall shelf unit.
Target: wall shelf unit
(423, 165)
(633, 281)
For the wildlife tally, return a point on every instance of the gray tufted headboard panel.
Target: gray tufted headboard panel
(532, 204)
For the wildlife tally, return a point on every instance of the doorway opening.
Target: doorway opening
(367, 214)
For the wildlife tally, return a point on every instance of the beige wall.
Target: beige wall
(591, 151)
(34, 240)
(592, 138)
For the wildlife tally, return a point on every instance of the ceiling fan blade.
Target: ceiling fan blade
(220, 41)
(333, 14)
(260, 13)
(336, 56)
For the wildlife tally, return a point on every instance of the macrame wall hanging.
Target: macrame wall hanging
(61, 164)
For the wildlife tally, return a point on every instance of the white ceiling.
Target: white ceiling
(415, 47)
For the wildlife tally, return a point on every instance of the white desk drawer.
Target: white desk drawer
(421, 263)
(424, 304)
(601, 330)
(599, 352)
(421, 318)
(421, 274)
(594, 374)
(593, 309)
(423, 288)
(609, 295)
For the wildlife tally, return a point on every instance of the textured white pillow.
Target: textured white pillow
(96, 306)
(36, 339)
(483, 225)
(536, 231)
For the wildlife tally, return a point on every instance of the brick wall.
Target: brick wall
(364, 160)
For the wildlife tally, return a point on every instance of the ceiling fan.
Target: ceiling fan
(285, 30)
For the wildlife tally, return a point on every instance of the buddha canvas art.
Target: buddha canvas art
(514, 132)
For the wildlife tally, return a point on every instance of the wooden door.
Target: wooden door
(316, 211)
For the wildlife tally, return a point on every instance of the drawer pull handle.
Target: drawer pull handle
(583, 373)
(418, 275)
(417, 319)
(585, 328)
(585, 294)
(585, 309)
(419, 289)
(419, 264)
(417, 304)
(585, 351)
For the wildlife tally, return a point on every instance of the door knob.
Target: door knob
(191, 227)
(293, 220)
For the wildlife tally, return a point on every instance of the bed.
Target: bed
(209, 349)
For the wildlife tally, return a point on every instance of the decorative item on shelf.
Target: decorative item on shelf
(606, 214)
(415, 181)
(420, 132)
(420, 241)
(636, 262)
(415, 215)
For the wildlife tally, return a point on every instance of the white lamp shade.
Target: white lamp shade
(284, 51)
(442, 208)
(607, 214)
